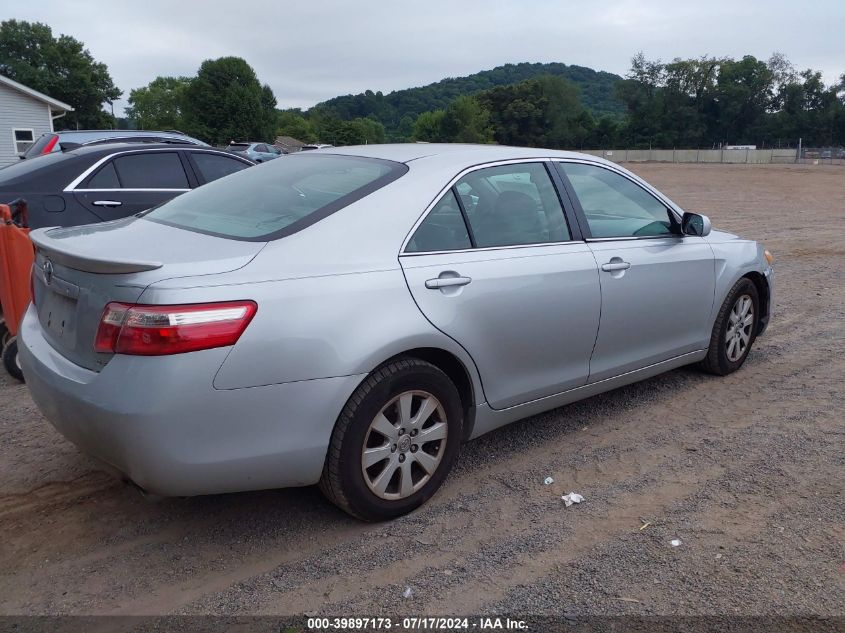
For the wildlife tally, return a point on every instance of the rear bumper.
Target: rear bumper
(160, 421)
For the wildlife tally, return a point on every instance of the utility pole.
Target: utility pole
(798, 151)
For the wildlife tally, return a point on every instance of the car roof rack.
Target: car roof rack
(139, 139)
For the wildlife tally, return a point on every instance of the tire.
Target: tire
(723, 358)
(10, 359)
(383, 490)
(5, 335)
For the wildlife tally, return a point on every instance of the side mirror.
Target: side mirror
(695, 224)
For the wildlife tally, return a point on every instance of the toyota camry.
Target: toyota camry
(351, 316)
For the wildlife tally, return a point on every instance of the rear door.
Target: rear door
(496, 266)
(130, 182)
(657, 285)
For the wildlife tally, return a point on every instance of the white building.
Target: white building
(25, 114)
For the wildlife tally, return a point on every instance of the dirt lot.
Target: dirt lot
(746, 470)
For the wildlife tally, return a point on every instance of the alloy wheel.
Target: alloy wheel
(404, 445)
(738, 332)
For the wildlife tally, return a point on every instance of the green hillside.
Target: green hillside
(596, 92)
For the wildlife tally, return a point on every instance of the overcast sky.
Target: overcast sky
(309, 51)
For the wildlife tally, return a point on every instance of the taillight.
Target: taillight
(50, 145)
(145, 330)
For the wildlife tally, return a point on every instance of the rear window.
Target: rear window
(238, 147)
(279, 198)
(40, 144)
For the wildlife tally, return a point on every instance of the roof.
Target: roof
(114, 147)
(54, 103)
(407, 152)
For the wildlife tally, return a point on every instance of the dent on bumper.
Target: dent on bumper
(160, 421)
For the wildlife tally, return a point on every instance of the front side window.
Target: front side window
(284, 196)
(443, 229)
(262, 149)
(512, 205)
(22, 140)
(152, 170)
(616, 206)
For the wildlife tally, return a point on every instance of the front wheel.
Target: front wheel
(395, 441)
(735, 329)
(11, 360)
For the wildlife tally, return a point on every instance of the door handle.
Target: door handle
(611, 266)
(106, 203)
(446, 282)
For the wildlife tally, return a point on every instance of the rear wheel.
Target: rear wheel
(5, 335)
(735, 329)
(394, 442)
(11, 361)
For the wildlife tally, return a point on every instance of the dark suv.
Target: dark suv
(95, 183)
(67, 139)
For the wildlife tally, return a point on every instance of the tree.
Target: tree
(466, 121)
(292, 123)
(359, 131)
(541, 112)
(743, 96)
(429, 127)
(158, 106)
(226, 102)
(59, 67)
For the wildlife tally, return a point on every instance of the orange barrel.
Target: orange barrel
(16, 257)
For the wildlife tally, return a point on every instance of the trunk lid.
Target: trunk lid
(78, 270)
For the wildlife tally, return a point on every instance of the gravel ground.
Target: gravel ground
(746, 470)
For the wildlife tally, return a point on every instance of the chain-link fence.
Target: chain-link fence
(833, 156)
(822, 155)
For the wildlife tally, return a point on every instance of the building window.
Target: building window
(23, 140)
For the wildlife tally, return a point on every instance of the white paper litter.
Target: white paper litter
(408, 592)
(572, 497)
(548, 481)
(675, 542)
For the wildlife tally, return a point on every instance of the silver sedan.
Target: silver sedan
(350, 316)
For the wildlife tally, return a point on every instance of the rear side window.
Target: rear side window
(512, 205)
(443, 229)
(106, 178)
(214, 166)
(279, 198)
(152, 170)
(261, 148)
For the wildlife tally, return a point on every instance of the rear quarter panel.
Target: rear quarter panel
(320, 327)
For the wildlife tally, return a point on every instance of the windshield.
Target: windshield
(278, 198)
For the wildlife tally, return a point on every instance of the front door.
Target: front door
(494, 266)
(657, 286)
